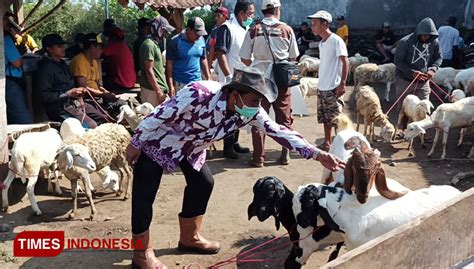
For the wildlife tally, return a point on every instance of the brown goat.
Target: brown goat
(364, 169)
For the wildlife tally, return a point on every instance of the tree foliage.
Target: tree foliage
(88, 16)
(82, 17)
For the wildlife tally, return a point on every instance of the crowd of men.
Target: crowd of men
(102, 65)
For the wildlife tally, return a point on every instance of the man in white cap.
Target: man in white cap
(333, 71)
(282, 42)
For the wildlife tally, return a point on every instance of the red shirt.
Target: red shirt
(121, 66)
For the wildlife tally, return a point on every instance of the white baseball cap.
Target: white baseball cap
(270, 4)
(321, 14)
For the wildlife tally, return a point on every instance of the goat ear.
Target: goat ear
(280, 189)
(277, 223)
(348, 177)
(70, 160)
(120, 116)
(382, 188)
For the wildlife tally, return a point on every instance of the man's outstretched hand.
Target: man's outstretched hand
(330, 161)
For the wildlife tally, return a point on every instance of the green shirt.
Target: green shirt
(149, 50)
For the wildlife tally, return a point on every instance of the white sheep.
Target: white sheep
(31, 153)
(71, 128)
(309, 86)
(355, 61)
(308, 64)
(469, 90)
(368, 106)
(366, 73)
(445, 76)
(106, 146)
(446, 116)
(415, 110)
(362, 223)
(134, 116)
(462, 78)
(457, 95)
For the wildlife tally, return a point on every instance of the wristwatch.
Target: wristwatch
(316, 154)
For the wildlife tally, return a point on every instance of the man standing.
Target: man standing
(152, 72)
(386, 41)
(333, 71)
(283, 47)
(186, 60)
(143, 27)
(229, 39)
(221, 16)
(304, 37)
(342, 29)
(449, 42)
(418, 56)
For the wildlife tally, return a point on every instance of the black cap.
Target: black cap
(109, 24)
(340, 18)
(51, 40)
(452, 20)
(251, 78)
(91, 39)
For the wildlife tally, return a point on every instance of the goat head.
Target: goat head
(268, 192)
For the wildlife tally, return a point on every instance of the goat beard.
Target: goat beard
(277, 222)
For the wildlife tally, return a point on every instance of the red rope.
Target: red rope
(400, 97)
(244, 258)
(18, 174)
(439, 98)
(439, 88)
(97, 105)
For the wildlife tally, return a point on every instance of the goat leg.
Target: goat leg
(86, 181)
(7, 182)
(128, 171)
(461, 136)
(445, 142)
(435, 140)
(335, 253)
(74, 198)
(30, 189)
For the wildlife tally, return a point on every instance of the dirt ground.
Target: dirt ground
(226, 218)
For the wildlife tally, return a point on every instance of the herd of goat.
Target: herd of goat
(348, 207)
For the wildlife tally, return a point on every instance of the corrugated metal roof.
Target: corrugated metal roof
(171, 3)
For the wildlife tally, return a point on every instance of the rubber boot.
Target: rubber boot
(229, 151)
(191, 241)
(237, 147)
(285, 156)
(145, 258)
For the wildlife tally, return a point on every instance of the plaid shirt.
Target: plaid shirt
(187, 124)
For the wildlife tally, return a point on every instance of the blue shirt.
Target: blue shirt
(186, 57)
(11, 55)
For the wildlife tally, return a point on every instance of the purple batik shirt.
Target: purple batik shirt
(187, 124)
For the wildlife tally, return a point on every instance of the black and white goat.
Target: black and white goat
(273, 198)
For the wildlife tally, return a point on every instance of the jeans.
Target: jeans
(17, 108)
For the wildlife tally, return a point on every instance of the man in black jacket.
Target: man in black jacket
(55, 86)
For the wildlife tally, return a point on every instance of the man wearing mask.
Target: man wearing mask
(283, 47)
(152, 72)
(418, 56)
(230, 37)
(186, 59)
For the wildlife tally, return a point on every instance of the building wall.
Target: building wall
(372, 13)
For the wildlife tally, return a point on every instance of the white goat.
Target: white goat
(309, 86)
(134, 116)
(346, 132)
(362, 223)
(366, 73)
(456, 95)
(462, 78)
(415, 110)
(368, 106)
(355, 61)
(308, 64)
(446, 116)
(31, 153)
(445, 77)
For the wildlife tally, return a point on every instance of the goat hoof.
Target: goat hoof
(91, 218)
(5, 209)
(72, 216)
(411, 154)
(125, 198)
(38, 213)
